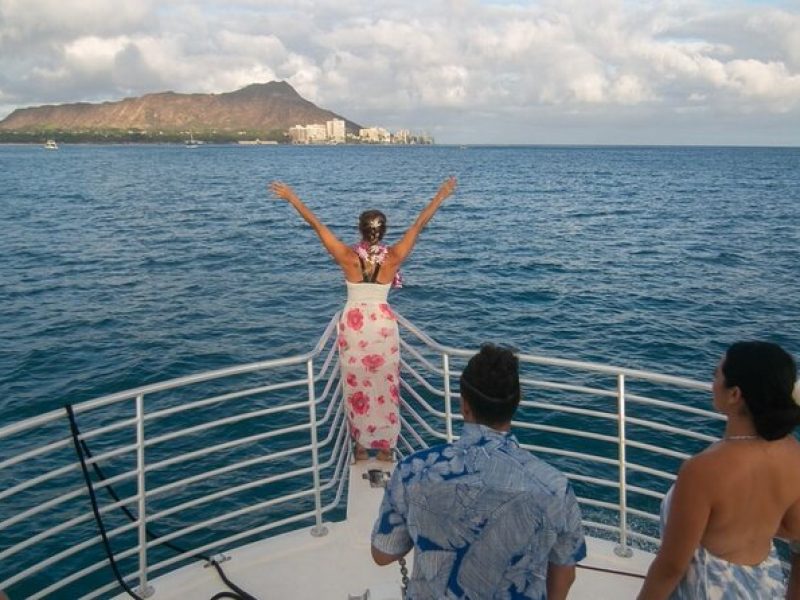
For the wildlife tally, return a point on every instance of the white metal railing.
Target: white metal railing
(223, 457)
(614, 410)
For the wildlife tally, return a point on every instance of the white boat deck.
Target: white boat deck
(300, 566)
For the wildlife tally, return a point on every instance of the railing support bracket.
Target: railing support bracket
(146, 591)
(217, 559)
(623, 551)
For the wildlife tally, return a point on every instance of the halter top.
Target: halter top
(374, 255)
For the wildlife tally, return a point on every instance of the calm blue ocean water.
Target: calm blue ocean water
(126, 265)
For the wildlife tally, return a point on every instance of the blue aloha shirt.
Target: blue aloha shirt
(484, 517)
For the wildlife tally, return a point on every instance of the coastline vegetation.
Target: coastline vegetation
(136, 136)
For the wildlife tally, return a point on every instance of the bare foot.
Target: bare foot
(385, 455)
(360, 452)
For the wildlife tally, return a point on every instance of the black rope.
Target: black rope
(82, 449)
(74, 428)
(240, 593)
(114, 496)
(153, 536)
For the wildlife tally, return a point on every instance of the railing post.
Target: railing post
(448, 405)
(144, 590)
(319, 529)
(623, 549)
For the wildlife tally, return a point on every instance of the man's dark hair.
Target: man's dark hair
(490, 385)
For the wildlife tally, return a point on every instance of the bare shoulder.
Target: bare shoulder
(395, 256)
(703, 470)
(793, 445)
(789, 456)
(708, 458)
(723, 466)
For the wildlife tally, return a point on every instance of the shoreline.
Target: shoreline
(439, 145)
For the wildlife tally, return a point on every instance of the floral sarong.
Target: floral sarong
(369, 353)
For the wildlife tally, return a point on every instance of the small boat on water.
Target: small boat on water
(50, 145)
(191, 142)
(249, 469)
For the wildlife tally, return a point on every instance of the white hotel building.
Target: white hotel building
(317, 133)
(335, 132)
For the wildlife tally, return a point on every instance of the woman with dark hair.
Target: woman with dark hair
(732, 499)
(369, 346)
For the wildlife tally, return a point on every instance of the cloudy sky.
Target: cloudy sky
(465, 71)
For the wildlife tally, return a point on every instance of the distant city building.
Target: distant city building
(375, 135)
(298, 135)
(316, 132)
(336, 131)
(401, 136)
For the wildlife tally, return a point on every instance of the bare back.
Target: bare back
(754, 493)
(356, 272)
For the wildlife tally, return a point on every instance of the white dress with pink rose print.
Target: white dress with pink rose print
(369, 353)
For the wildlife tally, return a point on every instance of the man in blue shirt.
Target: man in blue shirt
(486, 519)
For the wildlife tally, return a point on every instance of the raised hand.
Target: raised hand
(447, 187)
(281, 191)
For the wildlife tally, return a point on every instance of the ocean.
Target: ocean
(127, 265)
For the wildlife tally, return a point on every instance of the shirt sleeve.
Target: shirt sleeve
(390, 532)
(570, 546)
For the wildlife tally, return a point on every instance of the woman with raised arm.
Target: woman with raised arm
(732, 499)
(369, 346)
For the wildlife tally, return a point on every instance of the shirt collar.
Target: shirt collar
(473, 432)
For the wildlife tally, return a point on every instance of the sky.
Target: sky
(465, 71)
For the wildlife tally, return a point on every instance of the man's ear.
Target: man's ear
(466, 410)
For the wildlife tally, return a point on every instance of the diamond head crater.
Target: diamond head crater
(263, 111)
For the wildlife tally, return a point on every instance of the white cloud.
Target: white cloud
(768, 85)
(408, 63)
(54, 21)
(629, 89)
